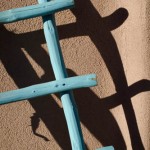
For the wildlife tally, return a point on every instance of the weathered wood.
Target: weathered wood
(48, 88)
(62, 84)
(68, 102)
(106, 148)
(32, 11)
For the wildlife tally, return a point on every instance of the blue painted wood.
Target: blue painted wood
(32, 11)
(68, 102)
(48, 88)
(106, 148)
(63, 83)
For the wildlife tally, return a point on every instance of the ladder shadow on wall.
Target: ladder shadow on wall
(23, 74)
(90, 23)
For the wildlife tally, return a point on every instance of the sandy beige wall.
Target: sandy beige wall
(109, 38)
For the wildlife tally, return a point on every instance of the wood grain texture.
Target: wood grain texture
(32, 11)
(48, 88)
(106, 148)
(68, 102)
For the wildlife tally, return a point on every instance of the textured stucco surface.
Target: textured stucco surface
(109, 38)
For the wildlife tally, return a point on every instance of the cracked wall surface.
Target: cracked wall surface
(109, 38)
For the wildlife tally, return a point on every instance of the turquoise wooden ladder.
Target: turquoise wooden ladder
(63, 84)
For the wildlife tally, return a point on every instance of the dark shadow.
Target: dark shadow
(134, 89)
(90, 23)
(94, 113)
(35, 120)
(23, 74)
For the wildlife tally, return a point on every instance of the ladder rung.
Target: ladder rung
(106, 148)
(32, 11)
(48, 88)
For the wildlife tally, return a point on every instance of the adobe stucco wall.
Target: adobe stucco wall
(109, 38)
